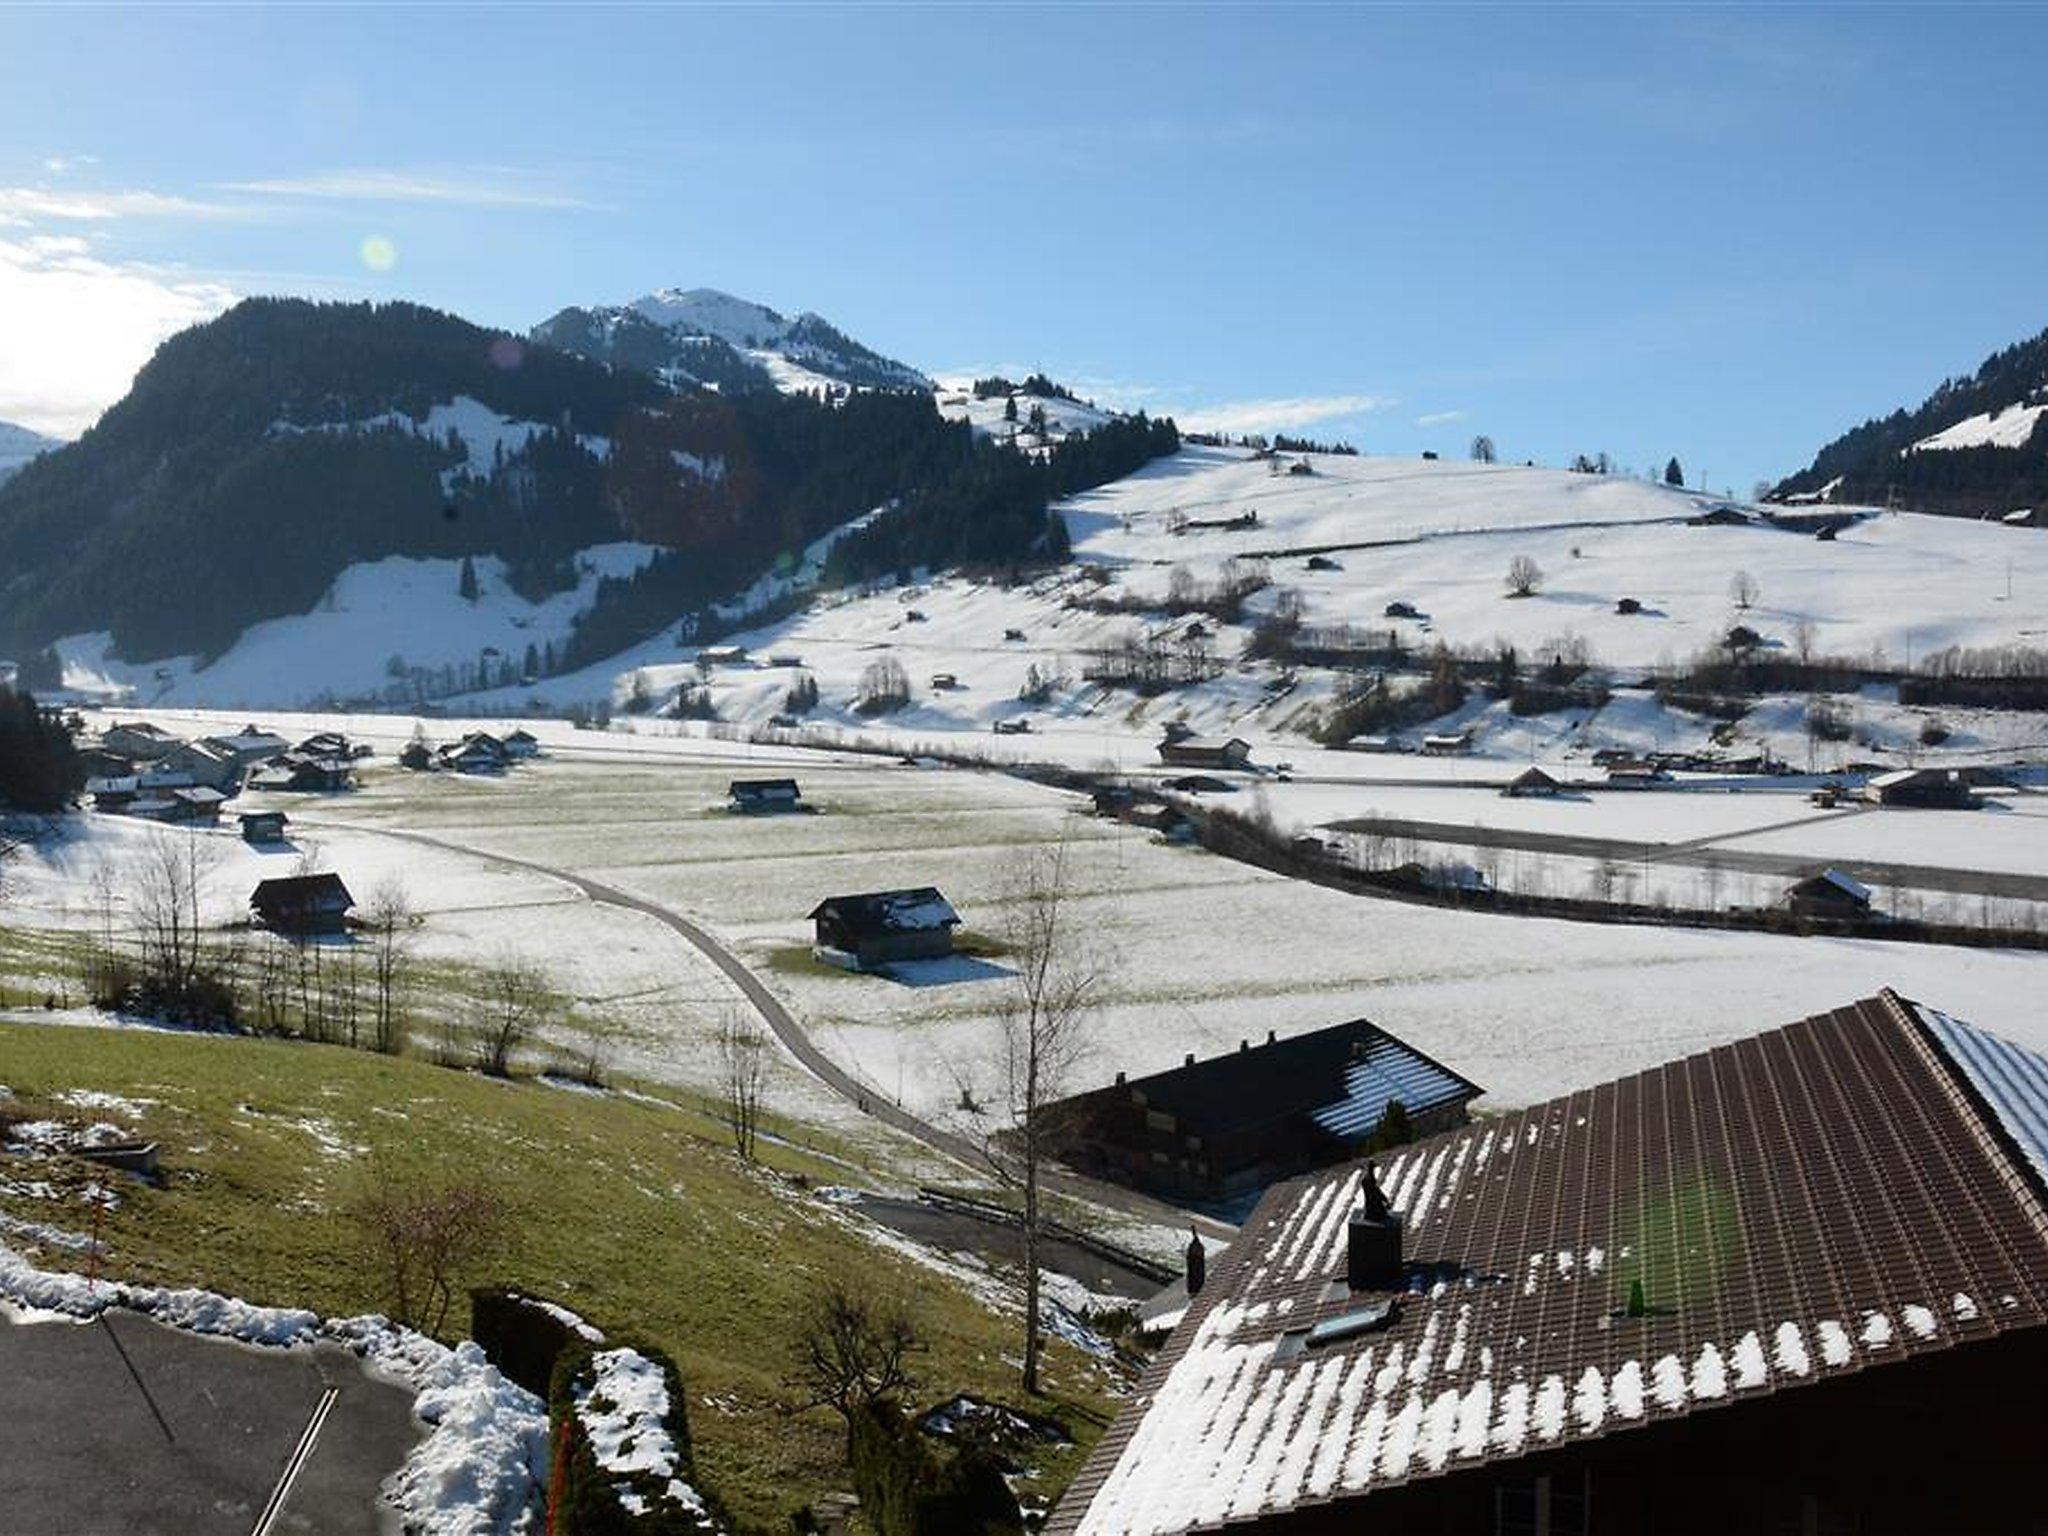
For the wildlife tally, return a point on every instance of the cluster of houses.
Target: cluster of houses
(476, 752)
(139, 769)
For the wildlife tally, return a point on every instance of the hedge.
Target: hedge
(585, 1497)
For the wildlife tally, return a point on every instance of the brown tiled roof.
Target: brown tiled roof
(1857, 1188)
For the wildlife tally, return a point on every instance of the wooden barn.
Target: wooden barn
(1937, 789)
(1205, 752)
(756, 796)
(264, 826)
(302, 904)
(1531, 781)
(1214, 1129)
(878, 928)
(1798, 1284)
(1829, 894)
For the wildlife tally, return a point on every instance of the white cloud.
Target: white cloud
(486, 187)
(1440, 418)
(57, 165)
(20, 204)
(77, 328)
(1280, 415)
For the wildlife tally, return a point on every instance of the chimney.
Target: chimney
(1119, 1079)
(1198, 1262)
(1373, 1250)
(1271, 1036)
(1244, 1045)
(1190, 1061)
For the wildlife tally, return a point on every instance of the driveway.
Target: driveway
(124, 1427)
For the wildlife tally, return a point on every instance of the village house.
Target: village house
(478, 752)
(1939, 789)
(1185, 751)
(302, 904)
(138, 741)
(878, 928)
(1830, 894)
(1215, 1129)
(301, 772)
(1531, 781)
(250, 745)
(204, 762)
(264, 826)
(1447, 743)
(756, 795)
(1798, 1283)
(521, 744)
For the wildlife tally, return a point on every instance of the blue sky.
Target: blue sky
(1721, 232)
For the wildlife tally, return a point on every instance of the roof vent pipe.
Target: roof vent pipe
(1198, 1262)
(1373, 1249)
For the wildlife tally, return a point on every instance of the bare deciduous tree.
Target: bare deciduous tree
(164, 900)
(743, 1073)
(420, 1235)
(514, 999)
(390, 920)
(1524, 576)
(1743, 590)
(1061, 972)
(854, 1351)
(1482, 449)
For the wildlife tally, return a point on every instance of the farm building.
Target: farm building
(250, 745)
(1204, 752)
(1942, 789)
(764, 795)
(302, 772)
(264, 826)
(478, 752)
(1210, 1130)
(206, 763)
(722, 655)
(1447, 744)
(521, 744)
(138, 740)
(878, 928)
(302, 904)
(1829, 894)
(1797, 1283)
(1531, 781)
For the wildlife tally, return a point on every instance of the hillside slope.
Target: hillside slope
(1976, 447)
(18, 445)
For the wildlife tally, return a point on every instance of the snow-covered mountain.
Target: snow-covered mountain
(18, 445)
(704, 336)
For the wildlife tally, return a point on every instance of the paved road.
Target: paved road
(1706, 851)
(123, 1427)
(800, 1045)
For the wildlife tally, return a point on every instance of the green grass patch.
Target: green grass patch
(637, 1214)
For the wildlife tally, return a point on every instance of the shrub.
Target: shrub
(907, 1489)
(524, 1337)
(1524, 576)
(592, 1500)
(1933, 732)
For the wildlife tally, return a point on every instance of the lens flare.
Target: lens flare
(378, 253)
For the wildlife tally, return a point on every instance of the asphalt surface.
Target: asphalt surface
(124, 1427)
(938, 1227)
(1705, 852)
(814, 1060)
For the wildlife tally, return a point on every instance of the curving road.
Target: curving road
(800, 1045)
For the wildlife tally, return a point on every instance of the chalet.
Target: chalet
(1797, 1283)
(100, 763)
(301, 772)
(521, 744)
(478, 752)
(206, 763)
(264, 826)
(1214, 1129)
(1018, 727)
(944, 682)
(302, 904)
(250, 745)
(1531, 781)
(1634, 772)
(195, 805)
(330, 744)
(878, 928)
(1829, 894)
(138, 741)
(112, 794)
(1722, 516)
(1447, 743)
(758, 795)
(722, 655)
(1941, 789)
(1205, 752)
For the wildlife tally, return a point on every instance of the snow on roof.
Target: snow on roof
(906, 911)
(2012, 1081)
(1709, 1181)
(1847, 884)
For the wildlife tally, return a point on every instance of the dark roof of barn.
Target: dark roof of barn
(301, 890)
(1341, 1077)
(1861, 1187)
(740, 788)
(874, 913)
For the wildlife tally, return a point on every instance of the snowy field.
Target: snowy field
(1206, 952)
